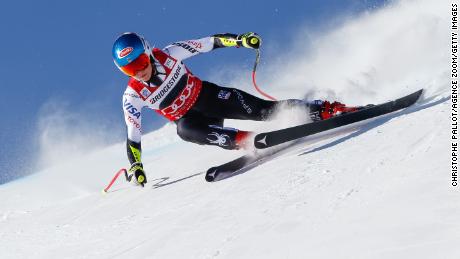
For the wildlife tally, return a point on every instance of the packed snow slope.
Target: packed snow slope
(380, 190)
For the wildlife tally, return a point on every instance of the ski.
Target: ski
(222, 171)
(273, 138)
(270, 139)
(238, 165)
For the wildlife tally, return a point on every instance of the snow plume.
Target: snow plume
(65, 133)
(370, 58)
(373, 57)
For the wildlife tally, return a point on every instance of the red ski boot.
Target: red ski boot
(243, 139)
(329, 110)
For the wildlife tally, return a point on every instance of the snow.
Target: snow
(380, 190)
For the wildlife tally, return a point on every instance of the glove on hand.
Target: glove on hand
(136, 174)
(249, 40)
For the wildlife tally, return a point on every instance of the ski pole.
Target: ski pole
(123, 170)
(254, 77)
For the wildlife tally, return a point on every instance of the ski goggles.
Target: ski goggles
(140, 63)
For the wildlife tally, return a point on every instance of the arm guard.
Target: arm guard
(226, 40)
(134, 151)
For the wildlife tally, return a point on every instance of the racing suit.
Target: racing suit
(197, 107)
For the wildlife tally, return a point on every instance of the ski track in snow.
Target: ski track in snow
(377, 190)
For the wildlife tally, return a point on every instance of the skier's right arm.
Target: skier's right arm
(132, 107)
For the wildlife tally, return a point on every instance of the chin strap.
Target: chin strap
(254, 77)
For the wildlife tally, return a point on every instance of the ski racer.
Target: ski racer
(159, 80)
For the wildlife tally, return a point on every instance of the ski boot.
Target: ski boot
(329, 110)
(136, 174)
(323, 110)
(244, 140)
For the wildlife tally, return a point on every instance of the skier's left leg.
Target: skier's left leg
(230, 103)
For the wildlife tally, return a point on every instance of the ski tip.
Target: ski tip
(417, 93)
(412, 98)
(420, 92)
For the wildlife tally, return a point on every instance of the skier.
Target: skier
(159, 80)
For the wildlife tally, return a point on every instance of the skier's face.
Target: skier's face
(144, 74)
(140, 68)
